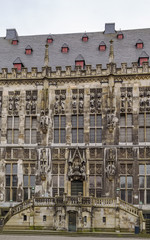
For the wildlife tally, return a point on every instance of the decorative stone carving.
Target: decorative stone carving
(60, 97)
(77, 102)
(126, 99)
(144, 99)
(95, 100)
(76, 166)
(14, 103)
(43, 122)
(44, 163)
(110, 163)
(31, 102)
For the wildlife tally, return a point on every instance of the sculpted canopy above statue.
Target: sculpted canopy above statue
(77, 165)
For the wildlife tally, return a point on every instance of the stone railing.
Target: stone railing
(128, 207)
(43, 201)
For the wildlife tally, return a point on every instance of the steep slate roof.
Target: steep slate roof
(124, 51)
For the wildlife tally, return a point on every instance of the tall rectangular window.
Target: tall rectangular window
(95, 128)
(126, 127)
(77, 128)
(59, 129)
(126, 182)
(144, 127)
(144, 183)
(11, 182)
(30, 129)
(12, 129)
(95, 179)
(28, 181)
(58, 179)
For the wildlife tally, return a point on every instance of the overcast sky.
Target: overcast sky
(31, 17)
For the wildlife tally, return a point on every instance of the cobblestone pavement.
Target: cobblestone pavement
(18, 237)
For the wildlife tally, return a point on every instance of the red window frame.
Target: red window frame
(85, 39)
(64, 49)
(18, 66)
(139, 45)
(141, 60)
(120, 36)
(102, 48)
(14, 42)
(49, 40)
(80, 63)
(28, 51)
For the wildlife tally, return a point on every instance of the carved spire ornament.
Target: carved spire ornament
(111, 53)
(46, 58)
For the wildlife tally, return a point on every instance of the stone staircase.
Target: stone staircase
(71, 201)
(148, 226)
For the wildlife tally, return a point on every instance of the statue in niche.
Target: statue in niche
(110, 163)
(44, 122)
(111, 121)
(43, 163)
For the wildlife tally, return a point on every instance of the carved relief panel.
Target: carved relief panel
(144, 99)
(95, 100)
(77, 104)
(14, 103)
(31, 102)
(126, 102)
(60, 101)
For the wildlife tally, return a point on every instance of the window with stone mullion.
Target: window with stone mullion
(126, 188)
(126, 128)
(30, 129)
(77, 128)
(11, 182)
(144, 183)
(59, 129)
(12, 129)
(95, 128)
(144, 127)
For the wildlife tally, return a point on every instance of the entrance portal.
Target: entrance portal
(72, 222)
(76, 188)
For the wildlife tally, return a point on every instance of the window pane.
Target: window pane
(14, 180)
(56, 121)
(27, 136)
(122, 182)
(141, 134)
(142, 169)
(129, 182)
(92, 135)
(99, 120)
(25, 194)
(7, 180)
(27, 122)
(14, 194)
(7, 194)
(129, 192)
(8, 168)
(148, 196)
(74, 121)
(122, 120)
(61, 181)
(33, 136)
(147, 119)
(32, 180)
(80, 121)
(123, 195)
(63, 136)
(98, 182)
(14, 168)
(25, 180)
(55, 181)
(129, 134)
(91, 180)
(98, 193)
(141, 119)
(9, 122)
(55, 192)
(63, 121)
(56, 136)
(80, 135)
(141, 182)
(147, 169)
(122, 135)
(142, 196)
(99, 135)
(34, 122)
(129, 120)
(16, 122)
(16, 135)
(148, 181)
(92, 120)
(147, 134)
(9, 136)
(74, 135)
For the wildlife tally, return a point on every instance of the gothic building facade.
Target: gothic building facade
(75, 130)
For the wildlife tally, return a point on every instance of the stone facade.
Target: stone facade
(75, 142)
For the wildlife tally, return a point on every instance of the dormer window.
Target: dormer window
(50, 39)
(139, 44)
(85, 38)
(14, 42)
(64, 48)
(79, 61)
(18, 64)
(120, 35)
(102, 46)
(28, 50)
(143, 58)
